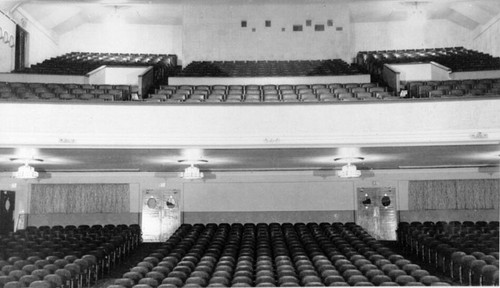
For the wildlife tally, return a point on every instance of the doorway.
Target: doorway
(21, 47)
(376, 212)
(161, 214)
(7, 206)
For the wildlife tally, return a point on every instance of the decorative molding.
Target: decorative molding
(119, 140)
(483, 28)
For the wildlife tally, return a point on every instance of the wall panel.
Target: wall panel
(157, 39)
(268, 196)
(407, 35)
(8, 28)
(213, 31)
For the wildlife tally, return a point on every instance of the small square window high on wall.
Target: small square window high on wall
(319, 27)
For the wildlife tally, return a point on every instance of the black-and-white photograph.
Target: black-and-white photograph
(249, 143)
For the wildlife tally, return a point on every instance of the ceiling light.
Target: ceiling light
(191, 173)
(25, 172)
(349, 170)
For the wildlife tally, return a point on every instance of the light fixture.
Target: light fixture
(349, 170)
(367, 201)
(192, 172)
(25, 171)
(417, 15)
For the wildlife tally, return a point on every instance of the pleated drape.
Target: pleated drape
(80, 198)
(453, 194)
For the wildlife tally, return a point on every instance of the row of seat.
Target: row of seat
(270, 89)
(147, 58)
(455, 58)
(112, 243)
(66, 92)
(81, 63)
(268, 68)
(267, 93)
(69, 257)
(269, 255)
(422, 89)
(445, 245)
(287, 98)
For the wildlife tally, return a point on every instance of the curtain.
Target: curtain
(453, 194)
(80, 198)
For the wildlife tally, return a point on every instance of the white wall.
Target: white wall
(212, 31)
(42, 43)
(486, 38)
(407, 35)
(316, 125)
(123, 38)
(6, 51)
(41, 46)
(269, 195)
(301, 192)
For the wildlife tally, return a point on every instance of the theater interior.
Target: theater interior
(249, 143)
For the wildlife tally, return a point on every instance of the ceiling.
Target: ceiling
(320, 159)
(60, 16)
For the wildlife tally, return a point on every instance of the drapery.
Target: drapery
(453, 194)
(80, 198)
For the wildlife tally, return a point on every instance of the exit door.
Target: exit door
(161, 214)
(7, 206)
(376, 212)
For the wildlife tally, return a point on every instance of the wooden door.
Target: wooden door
(7, 206)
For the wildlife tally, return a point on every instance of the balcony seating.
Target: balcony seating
(453, 88)
(268, 68)
(81, 63)
(57, 92)
(456, 58)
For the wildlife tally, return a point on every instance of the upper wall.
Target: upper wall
(407, 35)
(121, 38)
(8, 28)
(42, 43)
(213, 31)
(486, 38)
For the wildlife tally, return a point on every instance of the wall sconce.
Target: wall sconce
(367, 201)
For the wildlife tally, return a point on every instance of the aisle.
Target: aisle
(143, 251)
(432, 270)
